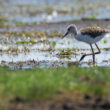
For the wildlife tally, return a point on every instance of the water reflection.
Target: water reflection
(66, 52)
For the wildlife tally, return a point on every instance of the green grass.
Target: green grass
(43, 83)
(26, 42)
(34, 23)
(90, 18)
(20, 23)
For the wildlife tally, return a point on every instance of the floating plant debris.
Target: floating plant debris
(26, 42)
(28, 52)
(31, 34)
(104, 41)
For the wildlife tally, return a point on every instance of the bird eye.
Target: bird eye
(69, 29)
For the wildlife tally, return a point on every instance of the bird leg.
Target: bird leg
(93, 55)
(83, 56)
(98, 49)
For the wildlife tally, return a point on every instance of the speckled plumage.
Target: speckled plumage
(94, 31)
(89, 35)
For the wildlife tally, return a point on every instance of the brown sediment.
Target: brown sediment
(63, 101)
(59, 27)
(31, 34)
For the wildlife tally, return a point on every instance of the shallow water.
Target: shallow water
(51, 52)
(53, 10)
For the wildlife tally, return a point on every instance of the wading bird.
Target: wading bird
(89, 35)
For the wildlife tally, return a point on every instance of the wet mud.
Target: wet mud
(70, 101)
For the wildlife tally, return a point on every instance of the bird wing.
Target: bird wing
(94, 31)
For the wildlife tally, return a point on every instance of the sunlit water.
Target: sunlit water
(44, 54)
(29, 11)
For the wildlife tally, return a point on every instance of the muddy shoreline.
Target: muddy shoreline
(59, 26)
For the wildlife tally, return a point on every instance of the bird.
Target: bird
(90, 35)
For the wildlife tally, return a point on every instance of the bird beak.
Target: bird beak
(65, 34)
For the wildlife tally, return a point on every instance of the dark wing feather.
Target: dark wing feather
(94, 31)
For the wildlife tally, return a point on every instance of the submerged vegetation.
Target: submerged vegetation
(26, 42)
(89, 18)
(104, 41)
(37, 34)
(2, 23)
(68, 51)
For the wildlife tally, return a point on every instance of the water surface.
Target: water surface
(51, 52)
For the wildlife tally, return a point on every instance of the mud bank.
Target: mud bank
(60, 26)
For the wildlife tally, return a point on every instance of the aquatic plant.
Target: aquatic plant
(49, 10)
(26, 42)
(53, 31)
(104, 41)
(22, 42)
(90, 18)
(2, 23)
(65, 52)
(34, 23)
(76, 19)
(20, 23)
(38, 34)
(52, 44)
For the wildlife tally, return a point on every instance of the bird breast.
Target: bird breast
(88, 39)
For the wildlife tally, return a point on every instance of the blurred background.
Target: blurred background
(38, 11)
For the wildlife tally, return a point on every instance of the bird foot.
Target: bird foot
(93, 62)
(82, 57)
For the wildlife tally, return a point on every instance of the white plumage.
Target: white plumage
(89, 35)
(88, 39)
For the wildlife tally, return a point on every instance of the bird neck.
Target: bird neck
(75, 32)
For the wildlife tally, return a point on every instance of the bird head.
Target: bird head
(71, 29)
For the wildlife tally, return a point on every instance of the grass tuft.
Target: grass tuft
(42, 83)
